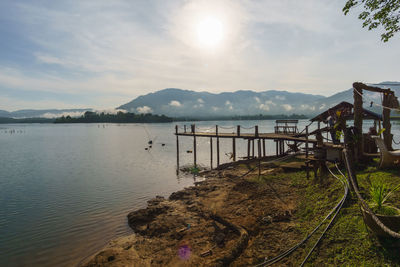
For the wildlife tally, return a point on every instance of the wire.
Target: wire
(292, 249)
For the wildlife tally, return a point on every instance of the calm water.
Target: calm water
(65, 190)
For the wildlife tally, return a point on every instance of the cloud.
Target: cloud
(264, 107)
(200, 100)
(269, 102)
(227, 103)
(144, 109)
(257, 99)
(282, 98)
(287, 107)
(306, 106)
(56, 115)
(175, 103)
(215, 108)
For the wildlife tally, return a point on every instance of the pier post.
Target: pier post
(276, 144)
(184, 128)
(252, 152)
(177, 148)
(306, 141)
(211, 153)
(234, 148)
(238, 130)
(263, 143)
(256, 130)
(259, 158)
(216, 133)
(248, 148)
(194, 145)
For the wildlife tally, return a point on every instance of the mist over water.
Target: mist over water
(65, 190)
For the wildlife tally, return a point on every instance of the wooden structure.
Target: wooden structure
(389, 102)
(288, 132)
(388, 158)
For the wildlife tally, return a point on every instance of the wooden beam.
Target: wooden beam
(194, 146)
(248, 148)
(252, 141)
(306, 141)
(263, 143)
(358, 120)
(387, 135)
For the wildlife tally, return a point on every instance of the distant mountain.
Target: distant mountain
(179, 103)
(185, 103)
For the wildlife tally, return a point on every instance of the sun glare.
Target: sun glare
(210, 32)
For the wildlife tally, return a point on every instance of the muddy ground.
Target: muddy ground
(227, 219)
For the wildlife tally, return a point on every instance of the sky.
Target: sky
(101, 53)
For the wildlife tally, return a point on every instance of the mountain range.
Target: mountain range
(175, 102)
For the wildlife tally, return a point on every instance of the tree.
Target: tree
(384, 13)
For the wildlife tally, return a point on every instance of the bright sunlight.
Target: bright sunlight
(210, 32)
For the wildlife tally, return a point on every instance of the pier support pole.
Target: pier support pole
(252, 150)
(263, 145)
(276, 144)
(211, 153)
(248, 148)
(216, 133)
(177, 148)
(259, 158)
(194, 145)
(306, 141)
(234, 148)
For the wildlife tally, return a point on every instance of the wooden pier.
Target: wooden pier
(285, 131)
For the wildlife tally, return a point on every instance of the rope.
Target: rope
(226, 128)
(292, 249)
(247, 128)
(362, 201)
(306, 127)
(379, 105)
(397, 143)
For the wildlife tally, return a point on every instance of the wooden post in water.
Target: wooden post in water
(256, 130)
(259, 158)
(252, 150)
(248, 148)
(276, 144)
(194, 145)
(177, 148)
(216, 133)
(306, 141)
(234, 148)
(263, 143)
(184, 128)
(238, 130)
(211, 153)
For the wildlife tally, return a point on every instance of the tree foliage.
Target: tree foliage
(120, 117)
(384, 13)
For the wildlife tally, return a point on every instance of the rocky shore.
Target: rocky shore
(227, 219)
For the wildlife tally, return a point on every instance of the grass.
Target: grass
(348, 242)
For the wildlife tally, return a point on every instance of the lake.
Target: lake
(65, 189)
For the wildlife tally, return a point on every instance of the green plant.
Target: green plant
(380, 192)
(194, 170)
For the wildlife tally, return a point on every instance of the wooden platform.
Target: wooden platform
(269, 136)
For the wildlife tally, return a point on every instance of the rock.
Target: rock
(137, 219)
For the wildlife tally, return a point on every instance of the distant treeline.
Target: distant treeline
(246, 117)
(120, 117)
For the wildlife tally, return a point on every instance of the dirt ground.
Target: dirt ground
(224, 220)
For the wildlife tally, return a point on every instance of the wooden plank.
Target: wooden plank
(248, 148)
(234, 148)
(216, 132)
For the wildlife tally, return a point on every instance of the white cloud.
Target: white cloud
(307, 107)
(215, 108)
(269, 102)
(264, 107)
(144, 109)
(56, 115)
(227, 103)
(200, 100)
(257, 99)
(287, 107)
(175, 103)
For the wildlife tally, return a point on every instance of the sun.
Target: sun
(210, 32)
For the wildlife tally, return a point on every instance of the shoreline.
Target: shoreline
(209, 223)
